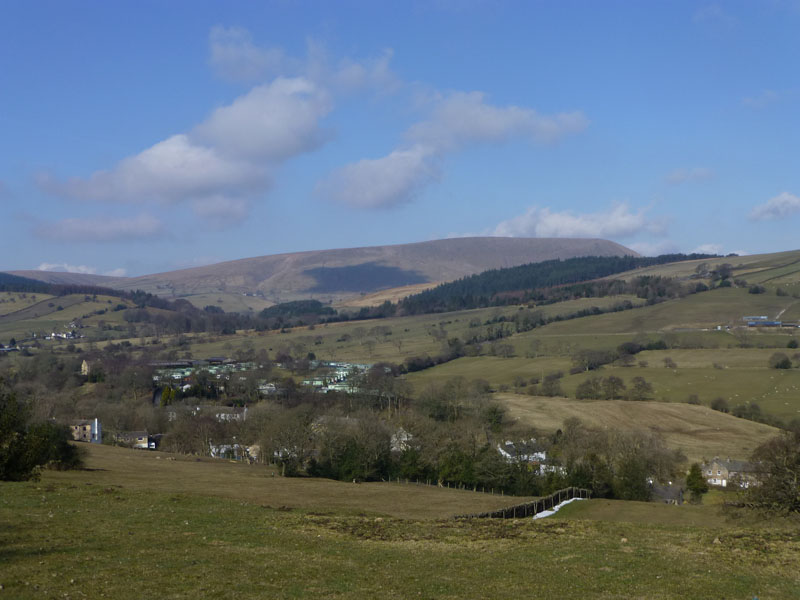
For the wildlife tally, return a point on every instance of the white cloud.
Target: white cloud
(348, 75)
(66, 268)
(679, 176)
(222, 212)
(235, 56)
(782, 205)
(226, 162)
(106, 229)
(82, 269)
(654, 248)
(170, 171)
(382, 182)
(272, 122)
(708, 249)
(542, 222)
(457, 120)
(464, 118)
(227, 159)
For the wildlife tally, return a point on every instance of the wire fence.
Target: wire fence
(529, 509)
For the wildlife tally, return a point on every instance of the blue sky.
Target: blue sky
(138, 137)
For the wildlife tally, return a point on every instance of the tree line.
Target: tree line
(512, 285)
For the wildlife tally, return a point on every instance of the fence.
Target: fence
(529, 509)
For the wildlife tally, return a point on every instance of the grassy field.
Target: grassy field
(152, 471)
(53, 314)
(229, 302)
(725, 306)
(696, 430)
(740, 376)
(15, 301)
(392, 295)
(356, 341)
(754, 268)
(81, 535)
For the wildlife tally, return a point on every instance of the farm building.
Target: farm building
(726, 473)
(87, 431)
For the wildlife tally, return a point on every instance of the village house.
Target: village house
(519, 452)
(400, 441)
(727, 473)
(87, 430)
(225, 414)
(135, 439)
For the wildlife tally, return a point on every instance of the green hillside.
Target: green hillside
(102, 533)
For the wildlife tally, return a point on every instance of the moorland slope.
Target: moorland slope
(347, 272)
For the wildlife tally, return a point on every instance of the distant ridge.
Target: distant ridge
(347, 272)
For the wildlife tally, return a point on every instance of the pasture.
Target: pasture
(53, 314)
(82, 535)
(698, 431)
(229, 302)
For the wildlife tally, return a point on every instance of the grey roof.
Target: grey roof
(736, 466)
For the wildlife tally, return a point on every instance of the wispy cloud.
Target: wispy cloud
(382, 182)
(82, 269)
(463, 118)
(618, 222)
(709, 249)
(679, 176)
(654, 248)
(762, 100)
(233, 55)
(67, 268)
(457, 120)
(221, 212)
(105, 229)
(714, 14)
(782, 205)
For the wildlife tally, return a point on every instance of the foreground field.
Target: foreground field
(176, 474)
(78, 535)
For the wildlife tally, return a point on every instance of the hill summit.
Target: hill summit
(341, 273)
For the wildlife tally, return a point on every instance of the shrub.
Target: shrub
(551, 387)
(24, 449)
(720, 404)
(641, 389)
(613, 387)
(629, 348)
(780, 361)
(780, 460)
(696, 483)
(590, 389)
(792, 343)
